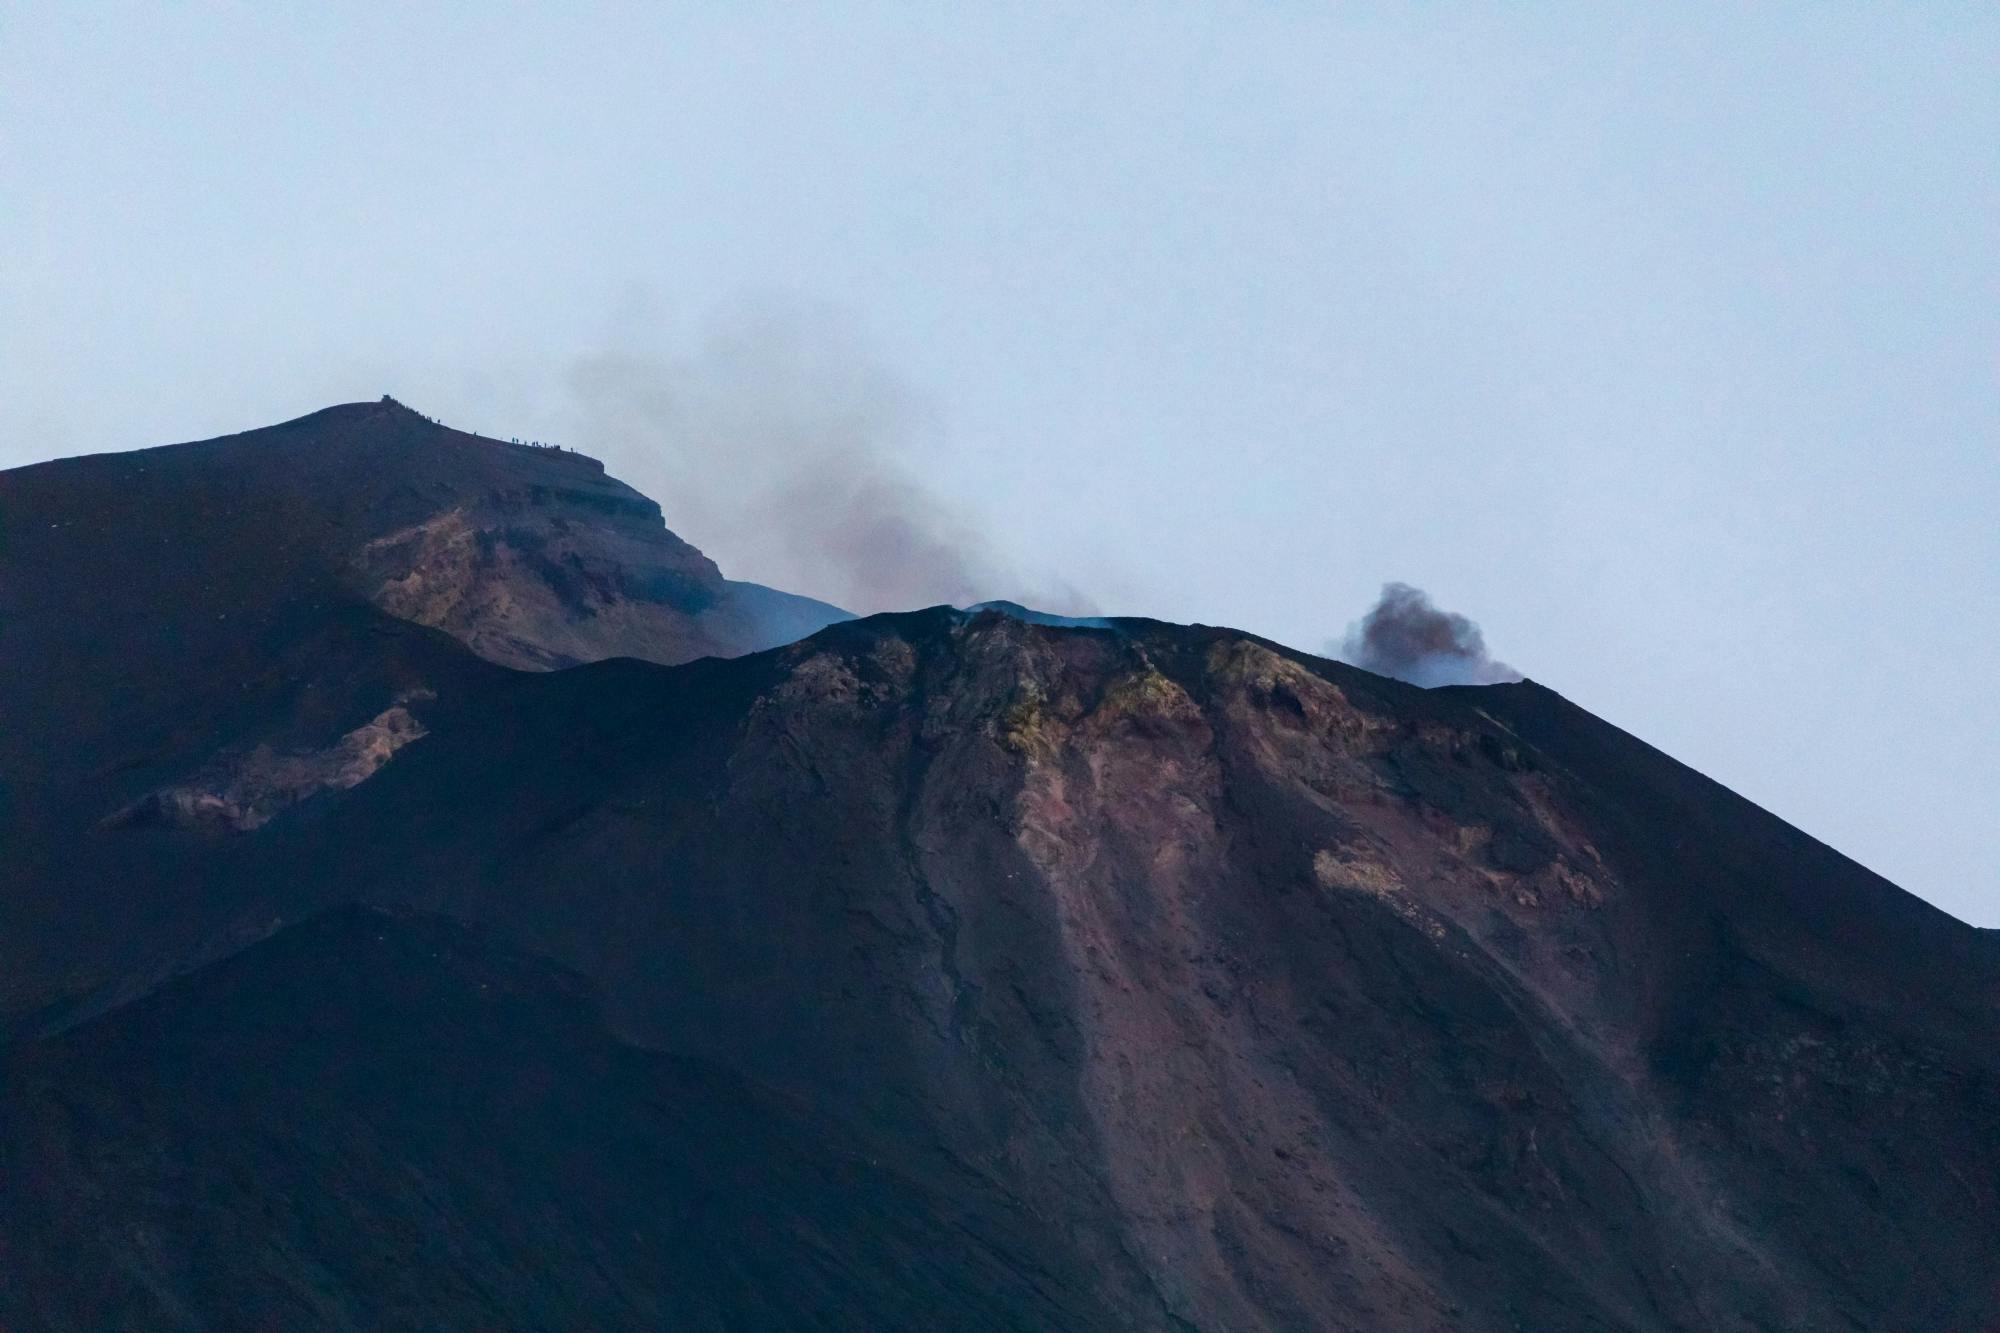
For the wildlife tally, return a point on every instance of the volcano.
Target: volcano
(432, 896)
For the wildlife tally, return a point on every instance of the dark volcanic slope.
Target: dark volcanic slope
(206, 634)
(1159, 977)
(377, 1121)
(173, 582)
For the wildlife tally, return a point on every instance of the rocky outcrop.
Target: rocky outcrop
(552, 564)
(532, 585)
(241, 791)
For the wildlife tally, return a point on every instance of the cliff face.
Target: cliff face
(1131, 975)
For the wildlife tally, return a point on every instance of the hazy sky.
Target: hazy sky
(1665, 343)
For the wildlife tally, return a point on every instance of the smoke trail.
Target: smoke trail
(781, 447)
(1404, 636)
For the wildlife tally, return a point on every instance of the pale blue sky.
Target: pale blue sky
(1664, 342)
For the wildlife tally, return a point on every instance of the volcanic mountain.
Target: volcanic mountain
(937, 970)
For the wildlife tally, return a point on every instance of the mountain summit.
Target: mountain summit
(948, 969)
(528, 554)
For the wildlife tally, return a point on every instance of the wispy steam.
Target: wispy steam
(786, 451)
(1404, 636)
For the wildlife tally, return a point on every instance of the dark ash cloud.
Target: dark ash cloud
(1405, 636)
(786, 451)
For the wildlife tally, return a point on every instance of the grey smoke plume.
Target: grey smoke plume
(1404, 636)
(786, 451)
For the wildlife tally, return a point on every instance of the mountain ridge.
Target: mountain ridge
(1255, 990)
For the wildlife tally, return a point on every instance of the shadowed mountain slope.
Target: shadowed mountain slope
(208, 633)
(1214, 985)
(382, 1121)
